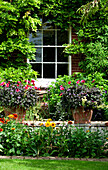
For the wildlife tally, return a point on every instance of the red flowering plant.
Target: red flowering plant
(17, 95)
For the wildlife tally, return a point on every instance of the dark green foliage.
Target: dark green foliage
(63, 13)
(92, 38)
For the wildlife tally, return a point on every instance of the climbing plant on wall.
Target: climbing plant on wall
(92, 38)
(17, 18)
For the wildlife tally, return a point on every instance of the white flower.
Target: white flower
(84, 100)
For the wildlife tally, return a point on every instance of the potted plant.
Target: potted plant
(17, 98)
(81, 100)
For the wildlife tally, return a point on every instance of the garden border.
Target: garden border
(54, 158)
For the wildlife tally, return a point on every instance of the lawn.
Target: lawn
(18, 164)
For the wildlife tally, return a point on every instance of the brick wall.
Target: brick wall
(75, 61)
(75, 58)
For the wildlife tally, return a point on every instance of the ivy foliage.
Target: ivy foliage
(17, 18)
(63, 12)
(91, 8)
(92, 38)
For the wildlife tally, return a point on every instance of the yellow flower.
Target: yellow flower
(11, 116)
(53, 124)
(87, 131)
(12, 128)
(49, 120)
(107, 138)
(47, 124)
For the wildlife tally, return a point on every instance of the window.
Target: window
(50, 59)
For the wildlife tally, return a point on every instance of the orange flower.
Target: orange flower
(53, 124)
(87, 131)
(1, 129)
(11, 116)
(15, 115)
(12, 128)
(70, 122)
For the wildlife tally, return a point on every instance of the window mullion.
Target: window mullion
(56, 53)
(70, 57)
(42, 55)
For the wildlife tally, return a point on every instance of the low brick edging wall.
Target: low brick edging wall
(54, 158)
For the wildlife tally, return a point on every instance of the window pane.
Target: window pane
(36, 38)
(38, 56)
(37, 67)
(62, 37)
(48, 37)
(47, 24)
(49, 54)
(61, 56)
(62, 69)
(48, 70)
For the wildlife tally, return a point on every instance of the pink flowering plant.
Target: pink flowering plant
(95, 85)
(17, 94)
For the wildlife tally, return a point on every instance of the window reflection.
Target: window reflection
(36, 38)
(62, 37)
(48, 70)
(48, 54)
(48, 37)
(47, 24)
(38, 68)
(62, 69)
(38, 56)
(61, 56)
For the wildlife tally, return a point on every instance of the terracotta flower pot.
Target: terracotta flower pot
(82, 116)
(19, 110)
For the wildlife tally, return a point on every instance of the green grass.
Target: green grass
(18, 164)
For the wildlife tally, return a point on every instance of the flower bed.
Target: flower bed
(49, 140)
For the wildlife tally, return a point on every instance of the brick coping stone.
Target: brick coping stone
(54, 158)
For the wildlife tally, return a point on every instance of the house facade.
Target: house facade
(50, 60)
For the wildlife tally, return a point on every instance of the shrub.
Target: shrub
(20, 74)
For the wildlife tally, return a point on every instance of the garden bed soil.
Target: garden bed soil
(54, 158)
